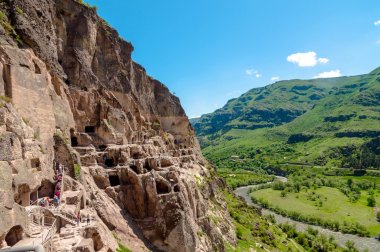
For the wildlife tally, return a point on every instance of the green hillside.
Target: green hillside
(318, 122)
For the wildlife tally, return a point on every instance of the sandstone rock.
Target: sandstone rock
(79, 99)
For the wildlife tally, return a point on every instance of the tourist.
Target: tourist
(60, 168)
(47, 201)
(42, 202)
(88, 219)
(78, 218)
(58, 194)
(55, 200)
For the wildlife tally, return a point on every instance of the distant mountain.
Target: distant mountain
(194, 120)
(319, 121)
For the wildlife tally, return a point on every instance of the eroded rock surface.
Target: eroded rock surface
(78, 98)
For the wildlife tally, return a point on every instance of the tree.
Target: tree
(371, 201)
(350, 245)
(349, 183)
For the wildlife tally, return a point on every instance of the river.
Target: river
(362, 243)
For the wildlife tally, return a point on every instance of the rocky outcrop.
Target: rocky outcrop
(78, 97)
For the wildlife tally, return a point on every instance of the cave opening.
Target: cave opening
(147, 166)
(162, 188)
(74, 141)
(134, 168)
(114, 180)
(35, 163)
(33, 197)
(14, 235)
(46, 189)
(109, 162)
(37, 69)
(89, 129)
(102, 147)
(176, 188)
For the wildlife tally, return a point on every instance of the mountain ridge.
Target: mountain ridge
(295, 112)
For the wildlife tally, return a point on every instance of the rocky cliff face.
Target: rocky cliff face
(77, 97)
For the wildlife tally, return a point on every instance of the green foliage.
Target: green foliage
(253, 229)
(123, 248)
(324, 207)
(9, 30)
(240, 177)
(311, 240)
(350, 245)
(19, 10)
(77, 171)
(88, 4)
(5, 99)
(286, 123)
(371, 201)
(4, 22)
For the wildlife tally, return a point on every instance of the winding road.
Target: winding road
(362, 243)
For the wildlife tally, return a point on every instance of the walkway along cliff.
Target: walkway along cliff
(71, 93)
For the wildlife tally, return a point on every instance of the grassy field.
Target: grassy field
(241, 177)
(254, 231)
(335, 206)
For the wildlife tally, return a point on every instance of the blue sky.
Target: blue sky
(209, 51)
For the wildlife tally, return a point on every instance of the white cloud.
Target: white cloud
(308, 59)
(323, 60)
(377, 23)
(378, 42)
(253, 72)
(330, 74)
(249, 72)
(275, 78)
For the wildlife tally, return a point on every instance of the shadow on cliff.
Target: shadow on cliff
(137, 231)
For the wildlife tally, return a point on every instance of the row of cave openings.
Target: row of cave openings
(74, 140)
(108, 162)
(91, 130)
(161, 187)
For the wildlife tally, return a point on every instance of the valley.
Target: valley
(323, 135)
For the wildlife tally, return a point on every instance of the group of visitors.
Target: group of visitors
(46, 201)
(79, 218)
(58, 184)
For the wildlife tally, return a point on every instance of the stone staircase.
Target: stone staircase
(68, 238)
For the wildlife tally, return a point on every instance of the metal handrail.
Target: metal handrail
(68, 216)
(51, 233)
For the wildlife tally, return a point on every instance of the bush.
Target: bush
(371, 201)
(350, 245)
(77, 171)
(5, 99)
(122, 248)
(239, 233)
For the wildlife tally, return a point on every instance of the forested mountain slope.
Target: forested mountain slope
(321, 121)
